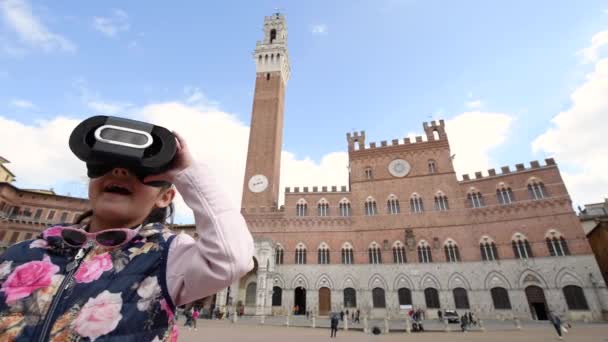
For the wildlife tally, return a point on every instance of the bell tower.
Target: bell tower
(261, 183)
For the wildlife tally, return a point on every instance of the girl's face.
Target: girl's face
(120, 199)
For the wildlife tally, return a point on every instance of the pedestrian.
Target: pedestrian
(557, 324)
(121, 270)
(464, 322)
(195, 314)
(334, 324)
(352, 316)
(440, 315)
(346, 313)
(357, 316)
(342, 316)
(188, 322)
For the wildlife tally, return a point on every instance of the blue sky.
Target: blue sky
(380, 66)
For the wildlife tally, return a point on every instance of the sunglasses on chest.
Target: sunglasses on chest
(75, 237)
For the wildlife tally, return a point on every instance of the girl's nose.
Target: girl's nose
(121, 172)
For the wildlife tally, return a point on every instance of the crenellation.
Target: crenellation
(296, 189)
(419, 139)
(343, 188)
(491, 172)
(465, 177)
(323, 189)
(406, 141)
(356, 140)
(478, 175)
(287, 190)
(372, 145)
(550, 161)
(534, 164)
(520, 167)
(334, 188)
(505, 170)
(315, 189)
(395, 142)
(383, 143)
(305, 189)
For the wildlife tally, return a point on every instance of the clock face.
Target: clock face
(399, 168)
(258, 183)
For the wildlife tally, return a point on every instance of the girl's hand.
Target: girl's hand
(181, 161)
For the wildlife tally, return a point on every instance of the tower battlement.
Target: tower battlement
(315, 189)
(434, 131)
(506, 170)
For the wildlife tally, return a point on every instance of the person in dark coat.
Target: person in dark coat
(557, 324)
(342, 315)
(334, 325)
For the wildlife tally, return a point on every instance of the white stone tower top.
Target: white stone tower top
(271, 54)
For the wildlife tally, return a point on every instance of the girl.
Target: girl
(120, 276)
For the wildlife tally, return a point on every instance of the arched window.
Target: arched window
(488, 250)
(323, 207)
(369, 175)
(323, 254)
(301, 208)
(301, 254)
(556, 244)
(431, 296)
(378, 298)
(277, 296)
(399, 253)
(475, 199)
(424, 252)
(504, 194)
(521, 247)
(441, 202)
(405, 296)
(345, 209)
(350, 298)
(273, 35)
(392, 205)
(500, 297)
(375, 256)
(347, 254)
(536, 189)
(250, 294)
(451, 251)
(432, 166)
(416, 205)
(278, 255)
(461, 299)
(371, 209)
(575, 298)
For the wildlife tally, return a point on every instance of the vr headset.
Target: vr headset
(107, 142)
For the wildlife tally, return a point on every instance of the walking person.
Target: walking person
(342, 316)
(195, 314)
(464, 321)
(357, 316)
(440, 315)
(557, 324)
(334, 325)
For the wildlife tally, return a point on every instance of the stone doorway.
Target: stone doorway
(299, 301)
(324, 301)
(537, 302)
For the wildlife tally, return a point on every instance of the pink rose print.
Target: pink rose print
(28, 278)
(99, 316)
(39, 243)
(53, 231)
(90, 270)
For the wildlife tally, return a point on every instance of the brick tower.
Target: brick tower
(261, 183)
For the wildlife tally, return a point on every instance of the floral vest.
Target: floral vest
(50, 291)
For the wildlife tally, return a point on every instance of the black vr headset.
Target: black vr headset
(106, 142)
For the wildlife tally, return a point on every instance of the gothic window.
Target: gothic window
(371, 209)
(273, 35)
(301, 208)
(500, 297)
(536, 190)
(432, 166)
(347, 254)
(461, 299)
(416, 205)
(345, 209)
(278, 255)
(488, 250)
(301, 254)
(375, 256)
(350, 298)
(431, 296)
(475, 199)
(441, 202)
(556, 244)
(451, 251)
(369, 175)
(277, 296)
(504, 195)
(399, 253)
(378, 298)
(424, 252)
(323, 254)
(392, 205)
(405, 296)
(323, 208)
(38, 214)
(250, 294)
(575, 298)
(521, 247)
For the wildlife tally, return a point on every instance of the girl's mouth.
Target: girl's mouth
(117, 189)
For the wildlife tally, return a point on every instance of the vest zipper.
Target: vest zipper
(72, 267)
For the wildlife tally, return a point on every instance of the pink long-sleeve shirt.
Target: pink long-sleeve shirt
(224, 249)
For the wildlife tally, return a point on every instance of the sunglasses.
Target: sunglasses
(108, 238)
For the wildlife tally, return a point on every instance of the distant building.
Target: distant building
(5, 174)
(595, 225)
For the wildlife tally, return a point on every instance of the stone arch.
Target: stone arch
(458, 280)
(350, 281)
(300, 280)
(495, 279)
(324, 280)
(530, 277)
(401, 280)
(278, 280)
(377, 280)
(429, 280)
(567, 277)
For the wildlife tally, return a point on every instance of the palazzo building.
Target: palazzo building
(405, 232)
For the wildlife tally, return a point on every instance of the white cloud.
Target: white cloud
(591, 53)
(319, 29)
(19, 103)
(110, 26)
(19, 16)
(474, 104)
(577, 138)
(473, 135)
(108, 108)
